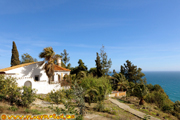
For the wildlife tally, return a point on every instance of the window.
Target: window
(36, 78)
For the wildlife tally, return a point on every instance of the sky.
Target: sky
(146, 32)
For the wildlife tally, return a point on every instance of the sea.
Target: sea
(168, 80)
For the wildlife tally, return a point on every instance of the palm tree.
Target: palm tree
(121, 81)
(141, 91)
(91, 93)
(49, 57)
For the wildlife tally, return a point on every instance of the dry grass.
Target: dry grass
(34, 109)
(112, 111)
(150, 109)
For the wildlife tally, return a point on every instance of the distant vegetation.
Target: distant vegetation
(93, 85)
(26, 58)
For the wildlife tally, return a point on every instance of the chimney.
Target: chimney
(59, 61)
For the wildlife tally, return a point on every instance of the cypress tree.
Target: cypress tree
(98, 66)
(15, 56)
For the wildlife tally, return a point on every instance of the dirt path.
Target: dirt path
(45, 103)
(134, 112)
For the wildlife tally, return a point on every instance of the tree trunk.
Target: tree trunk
(141, 102)
(121, 88)
(49, 80)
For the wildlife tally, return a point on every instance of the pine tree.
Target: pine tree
(105, 63)
(81, 66)
(132, 73)
(15, 56)
(65, 58)
(26, 58)
(98, 66)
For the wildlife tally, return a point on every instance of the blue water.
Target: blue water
(169, 81)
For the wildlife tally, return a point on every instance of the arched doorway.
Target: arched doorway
(28, 84)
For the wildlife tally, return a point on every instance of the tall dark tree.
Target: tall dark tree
(74, 70)
(65, 58)
(105, 63)
(26, 58)
(77, 69)
(15, 55)
(132, 73)
(98, 66)
(68, 66)
(81, 66)
(93, 71)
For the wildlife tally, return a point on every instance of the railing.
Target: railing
(65, 83)
(15, 76)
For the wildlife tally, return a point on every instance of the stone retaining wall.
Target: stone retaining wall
(117, 94)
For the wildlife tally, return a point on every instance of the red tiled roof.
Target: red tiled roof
(58, 68)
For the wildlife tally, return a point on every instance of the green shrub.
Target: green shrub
(150, 98)
(13, 108)
(167, 108)
(57, 111)
(107, 110)
(158, 88)
(99, 107)
(57, 96)
(35, 112)
(177, 106)
(9, 89)
(28, 96)
(150, 87)
(79, 117)
(78, 94)
(81, 75)
(47, 98)
(96, 88)
(160, 99)
(67, 110)
(12, 93)
(27, 110)
(147, 117)
(2, 96)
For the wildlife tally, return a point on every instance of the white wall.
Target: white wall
(42, 87)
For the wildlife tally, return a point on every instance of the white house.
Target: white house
(33, 75)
